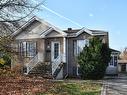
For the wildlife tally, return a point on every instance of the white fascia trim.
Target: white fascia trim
(43, 35)
(42, 21)
(46, 32)
(84, 30)
(52, 26)
(18, 30)
(98, 34)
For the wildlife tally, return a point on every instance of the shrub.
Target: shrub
(2, 62)
(11, 72)
(7, 59)
(93, 59)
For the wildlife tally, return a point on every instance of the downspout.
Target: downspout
(66, 57)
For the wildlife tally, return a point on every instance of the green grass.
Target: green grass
(77, 88)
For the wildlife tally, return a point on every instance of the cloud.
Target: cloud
(91, 15)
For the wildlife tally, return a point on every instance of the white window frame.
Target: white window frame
(24, 48)
(78, 44)
(52, 51)
(111, 64)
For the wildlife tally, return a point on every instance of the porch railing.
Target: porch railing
(32, 64)
(56, 63)
(57, 66)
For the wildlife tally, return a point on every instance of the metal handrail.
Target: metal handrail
(32, 64)
(56, 63)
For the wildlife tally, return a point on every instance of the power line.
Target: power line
(57, 14)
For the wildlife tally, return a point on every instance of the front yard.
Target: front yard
(12, 83)
(40, 86)
(74, 88)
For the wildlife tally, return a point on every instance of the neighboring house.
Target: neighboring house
(112, 68)
(47, 50)
(122, 66)
(122, 62)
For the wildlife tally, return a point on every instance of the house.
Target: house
(122, 66)
(112, 68)
(47, 50)
(122, 62)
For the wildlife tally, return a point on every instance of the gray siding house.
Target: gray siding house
(49, 51)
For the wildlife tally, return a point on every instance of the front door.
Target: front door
(55, 52)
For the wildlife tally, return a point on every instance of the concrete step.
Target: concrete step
(41, 69)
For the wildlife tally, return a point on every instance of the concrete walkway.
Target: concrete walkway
(115, 85)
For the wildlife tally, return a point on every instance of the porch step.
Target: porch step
(57, 70)
(41, 69)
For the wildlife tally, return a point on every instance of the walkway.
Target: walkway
(115, 85)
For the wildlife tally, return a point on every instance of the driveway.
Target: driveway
(115, 85)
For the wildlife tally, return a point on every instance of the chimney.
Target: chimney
(69, 29)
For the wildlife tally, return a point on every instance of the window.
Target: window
(79, 45)
(75, 48)
(87, 42)
(31, 49)
(56, 50)
(115, 60)
(111, 61)
(28, 49)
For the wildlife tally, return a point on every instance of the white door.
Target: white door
(55, 51)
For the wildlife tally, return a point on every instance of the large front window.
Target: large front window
(79, 45)
(28, 49)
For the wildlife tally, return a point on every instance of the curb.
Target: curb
(103, 89)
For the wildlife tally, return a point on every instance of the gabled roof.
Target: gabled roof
(77, 32)
(84, 30)
(99, 32)
(65, 33)
(52, 27)
(113, 50)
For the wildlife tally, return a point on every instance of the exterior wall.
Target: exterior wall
(53, 34)
(48, 42)
(119, 68)
(17, 59)
(72, 63)
(40, 50)
(32, 31)
(104, 38)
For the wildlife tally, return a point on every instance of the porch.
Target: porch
(43, 56)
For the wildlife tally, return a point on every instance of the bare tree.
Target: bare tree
(123, 55)
(11, 13)
(15, 10)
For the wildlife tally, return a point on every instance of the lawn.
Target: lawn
(39, 86)
(12, 83)
(74, 88)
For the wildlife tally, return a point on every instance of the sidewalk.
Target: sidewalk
(115, 85)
